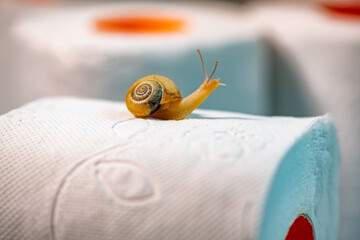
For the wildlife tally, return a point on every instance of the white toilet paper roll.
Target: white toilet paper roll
(64, 46)
(4, 43)
(85, 169)
(318, 71)
(10, 11)
(8, 14)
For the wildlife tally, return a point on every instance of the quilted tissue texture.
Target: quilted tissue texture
(87, 169)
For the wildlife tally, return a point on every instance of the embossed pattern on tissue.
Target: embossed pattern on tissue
(126, 182)
(194, 134)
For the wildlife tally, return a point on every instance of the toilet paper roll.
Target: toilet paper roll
(4, 43)
(8, 14)
(317, 71)
(65, 46)
(87, 169)
(10, 11)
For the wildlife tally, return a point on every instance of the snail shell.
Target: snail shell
(148, 94)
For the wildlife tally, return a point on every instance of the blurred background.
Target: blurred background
(291, 58)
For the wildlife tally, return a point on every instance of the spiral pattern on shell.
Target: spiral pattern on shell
(142, 92)
(148, 93)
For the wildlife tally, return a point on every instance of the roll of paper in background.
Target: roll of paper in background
(64, 52)
(10, 12)
(5, 18)
(87, 169)
(317, 70)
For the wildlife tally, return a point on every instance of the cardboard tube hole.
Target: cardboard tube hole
(301, 229)
(139, 24)
(346, 9)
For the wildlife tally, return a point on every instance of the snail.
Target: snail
(157, 96)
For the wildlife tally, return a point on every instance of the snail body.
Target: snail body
(157, 96)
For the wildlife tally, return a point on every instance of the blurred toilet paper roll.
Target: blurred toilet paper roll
(86, 169)
(10, 11)
(5, 19)
(318, 70)
(64, 52)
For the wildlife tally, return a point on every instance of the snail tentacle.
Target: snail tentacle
(203, 65)
(213, 72)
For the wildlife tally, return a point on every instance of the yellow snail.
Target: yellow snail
(158, 97)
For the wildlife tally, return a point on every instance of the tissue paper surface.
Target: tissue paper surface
(87, 169)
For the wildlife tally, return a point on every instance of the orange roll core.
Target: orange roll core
(139, 24)
(349, 9)
(301, 229)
